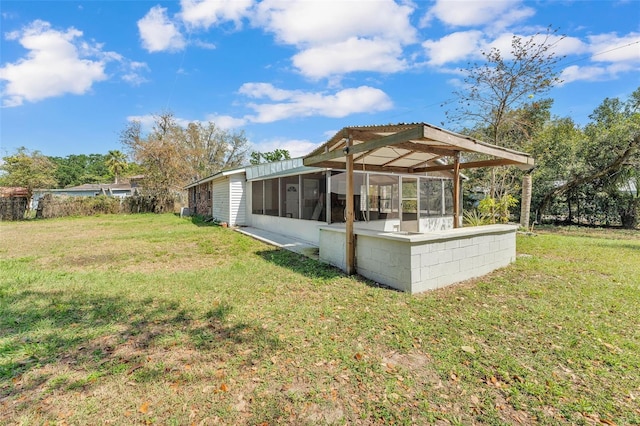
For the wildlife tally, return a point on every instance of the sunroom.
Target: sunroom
(382, 201)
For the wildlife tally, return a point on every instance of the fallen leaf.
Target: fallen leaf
(468, 349)
(475, 400)
(144, 407)
(134, 368)
(358, 356)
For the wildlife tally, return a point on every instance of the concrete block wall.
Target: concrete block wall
(387, 262)
(446, 262)
(421, 262)
(332, 247)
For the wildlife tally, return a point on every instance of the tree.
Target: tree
(213, 149)
(79, 169)
(173, 156)
(29, 170)
(269, 157)
(556, 152)
(116, 162)
(608, 158)
(501, 85)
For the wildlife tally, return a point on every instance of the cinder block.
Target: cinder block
(451, 244)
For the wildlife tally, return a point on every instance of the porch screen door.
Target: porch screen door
(409, 205)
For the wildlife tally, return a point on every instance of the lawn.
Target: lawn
(155, 319)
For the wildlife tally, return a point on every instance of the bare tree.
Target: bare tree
(173, 156)
(497, 88)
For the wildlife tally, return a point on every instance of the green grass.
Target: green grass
(160, 320)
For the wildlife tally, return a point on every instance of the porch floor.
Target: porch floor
(292, 244)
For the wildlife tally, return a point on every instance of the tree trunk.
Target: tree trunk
(525, 202)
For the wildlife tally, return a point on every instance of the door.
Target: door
(409, 205)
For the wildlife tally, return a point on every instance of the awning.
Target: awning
(407, 148)
(411, 148)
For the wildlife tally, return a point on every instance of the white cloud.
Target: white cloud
(317, 22)
(226, 121)
(611, 48)
(158, 33)
(496, 14)
(595, 72)
(56, 64)
(265, 90)
(296, 147)
(576, 73)
(146, 121)
(351, 55)
(203, 44)
(132, 73)
(288, 104)
(558, 45)
(468, 45)
(206, 13)
(454, 47)
(340, 37)
(611, 56)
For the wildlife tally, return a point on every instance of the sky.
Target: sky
(287, 73)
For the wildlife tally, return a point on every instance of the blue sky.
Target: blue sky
(288, 73)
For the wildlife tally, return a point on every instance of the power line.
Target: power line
(175, 79)
(584, 58)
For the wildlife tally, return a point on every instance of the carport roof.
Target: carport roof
(410, 148)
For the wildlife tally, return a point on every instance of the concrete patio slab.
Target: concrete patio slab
(292, 244)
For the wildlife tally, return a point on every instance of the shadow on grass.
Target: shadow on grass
(312, 268)
(99, 333)
(301, 264)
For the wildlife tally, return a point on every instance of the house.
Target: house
(382, 201)
(118, 190)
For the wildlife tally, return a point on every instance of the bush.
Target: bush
(475, 218)
(497, 210)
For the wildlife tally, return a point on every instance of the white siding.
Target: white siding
(237, 199)
(221, 200)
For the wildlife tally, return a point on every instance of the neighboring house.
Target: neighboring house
(119, 190)
(13, 191)
(403, 197)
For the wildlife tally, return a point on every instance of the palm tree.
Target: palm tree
(116, 162)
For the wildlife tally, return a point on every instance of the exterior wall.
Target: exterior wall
(416, 263)
(428, 224)
(221, 199)
(237, 200)
(200, 199)
(306, 230)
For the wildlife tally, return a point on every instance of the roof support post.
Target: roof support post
(350, 242)
(456, 190)
(525, 206)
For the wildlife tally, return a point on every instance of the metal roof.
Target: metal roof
(409, 148)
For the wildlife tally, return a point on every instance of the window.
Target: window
(383, 197)
(271, 197)
(339, 196)
(313, 196)
(448, 197)
(430, 197)
(290, 197)
(257, 197)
